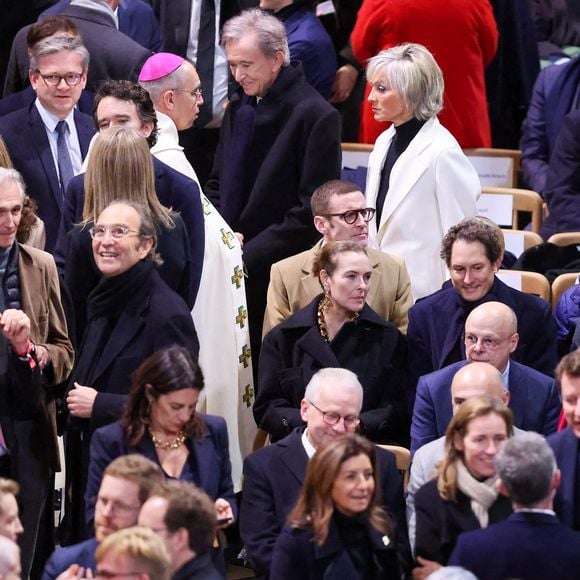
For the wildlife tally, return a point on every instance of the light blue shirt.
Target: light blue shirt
(505, 377)
(72, 139)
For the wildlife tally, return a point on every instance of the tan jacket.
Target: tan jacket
(292, 286)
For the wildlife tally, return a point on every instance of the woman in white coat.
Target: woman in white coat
(419, 180)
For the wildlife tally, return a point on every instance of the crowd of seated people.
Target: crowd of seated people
(332, 376)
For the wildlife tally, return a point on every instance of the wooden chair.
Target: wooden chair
(531, 283)
(514, 155)
(565, 238)
(560, 284)
(356, 154)
(531, 239)
(403, 458)
(524, 200)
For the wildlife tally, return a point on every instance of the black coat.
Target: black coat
(440, 522)
(370, 347)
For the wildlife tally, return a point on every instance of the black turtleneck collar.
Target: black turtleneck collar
(285, 13)
(406, 132)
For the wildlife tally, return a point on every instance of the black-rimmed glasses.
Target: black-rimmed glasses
(332, 418)
(350, 216)
(71, 79)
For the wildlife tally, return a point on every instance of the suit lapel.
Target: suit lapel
(519, 391)
(569, 455)
(310, 284)
(294, 457)
(312, 344)
(373, 286)
(85, 131)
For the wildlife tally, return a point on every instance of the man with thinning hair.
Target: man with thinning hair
(531, 543)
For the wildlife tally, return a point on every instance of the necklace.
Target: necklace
(325, 305)
(168, 445)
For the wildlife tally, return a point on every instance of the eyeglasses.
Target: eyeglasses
(332, 418)
(71, 79)
(117, 507)
(197, 94)
(117, 232)
(351, 215)
(488, 342)
(105, 574)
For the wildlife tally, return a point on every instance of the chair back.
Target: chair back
(528, 282)
(524, 201)
(560, 285)
(403, 459)
(565, 238)
(496, 167)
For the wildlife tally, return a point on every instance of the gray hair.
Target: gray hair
(452, 573)
(414, 75)
(334, 376)
(9, 555)
(525, 465)
(174, 80)
(269, 31)
(59, 43)
(12, 175)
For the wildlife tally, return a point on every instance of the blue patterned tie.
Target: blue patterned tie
(65, 168)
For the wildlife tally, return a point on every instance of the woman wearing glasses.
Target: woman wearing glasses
(161, 423)
(337, 329)
(418, 179)
(337, 531)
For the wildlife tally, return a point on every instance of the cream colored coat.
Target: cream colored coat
(432, 187)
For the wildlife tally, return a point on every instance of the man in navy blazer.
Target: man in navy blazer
(490, 336)
(127, 483)
(565, 444)
(274, 475)
(531, 543)
(473, 251)
(31, 134)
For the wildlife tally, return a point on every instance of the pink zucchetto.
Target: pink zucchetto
(160, 65)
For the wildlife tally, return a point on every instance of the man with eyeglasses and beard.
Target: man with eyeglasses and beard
(274, 475)
(340, 214)
(127, 483)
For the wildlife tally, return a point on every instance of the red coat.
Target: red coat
(461, 34)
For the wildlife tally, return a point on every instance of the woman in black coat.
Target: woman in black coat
(337, 329)
(336, 531)
(464, 496)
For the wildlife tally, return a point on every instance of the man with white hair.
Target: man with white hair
(274, 475)
(490, 336)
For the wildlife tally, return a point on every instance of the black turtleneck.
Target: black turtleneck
(285, 13)
(353, 532)
(404, 134)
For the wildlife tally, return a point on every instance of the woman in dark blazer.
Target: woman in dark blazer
(160, 422)
(464, 496)
(336, 531)
(337, 329)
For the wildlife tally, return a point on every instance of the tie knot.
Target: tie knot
(61, 128)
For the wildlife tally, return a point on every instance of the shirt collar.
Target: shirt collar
(51, 121)
(308, 447)
(505, 376)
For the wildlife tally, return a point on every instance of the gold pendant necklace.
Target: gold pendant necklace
(168, 445)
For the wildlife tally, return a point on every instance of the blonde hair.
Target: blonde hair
(5, 160)
(121, 167)
(470, 409)
(143, 546)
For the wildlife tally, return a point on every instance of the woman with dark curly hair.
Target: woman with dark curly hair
(337, 531)
(160, 423)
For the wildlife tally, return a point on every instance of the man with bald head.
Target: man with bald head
(472, 380)
(490, 336)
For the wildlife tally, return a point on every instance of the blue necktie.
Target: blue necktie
(65, 168)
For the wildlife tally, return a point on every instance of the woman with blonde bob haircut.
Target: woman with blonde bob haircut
(121, 168)
(337, 529)
(464, 495)
(418, 179)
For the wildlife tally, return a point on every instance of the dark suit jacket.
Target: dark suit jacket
(82, 554)
(440, 522)
(136, 19)
(82, 275)
(273, 477)
(144, 327)
(534, 401)
(29, 148)
(297, 556)
(436, 323)
(310, 44)
(209, 458)
(526, 545)
(174, 190)
(113, 54)
(563, 180)
(294, 351)
(26, 97)
(565, 447)
(295, 148)
(200, 568)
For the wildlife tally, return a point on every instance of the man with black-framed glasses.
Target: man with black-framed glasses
(274, 475)
(48, 140)
(340, 214)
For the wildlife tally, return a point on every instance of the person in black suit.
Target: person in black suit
(336, 531)
(336, 329)
(48, 140)
(464, 495)
(113, 54)
(279, 141)
(273, 476)
(131, 314)
(531, 543)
